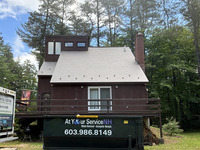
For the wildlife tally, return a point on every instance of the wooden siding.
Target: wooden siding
(63, 39)
(122, 95)
(80, 91)
(44, 85)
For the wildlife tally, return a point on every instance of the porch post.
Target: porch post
(161, 134)
(161, 140)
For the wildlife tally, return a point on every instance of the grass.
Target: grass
(22, 145)
(185, 141)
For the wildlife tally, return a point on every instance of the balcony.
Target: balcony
(136, 106)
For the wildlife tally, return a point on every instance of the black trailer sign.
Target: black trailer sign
(90, 132)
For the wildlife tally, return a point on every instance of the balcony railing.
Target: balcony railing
(135, 106)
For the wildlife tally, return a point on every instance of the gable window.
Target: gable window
(58, 48)
(50, 47)
(102, 93)
(81, 44)
(69, 44)
(54, 48)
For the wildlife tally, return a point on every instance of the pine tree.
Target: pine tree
(191, 12)
(39, 24)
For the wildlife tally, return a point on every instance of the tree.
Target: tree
(7, 65)
(146, 14)
(94, 9)
(63, 10)
(171, 70)
(172, 127)
(15, 76)
(88, 11)
(39, 24)
(191, 12)
(129, 26)
(113, 21)
(79, 26)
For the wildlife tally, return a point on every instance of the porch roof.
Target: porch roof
(115, 64)
(47, 68)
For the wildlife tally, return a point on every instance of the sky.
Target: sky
(13, 13)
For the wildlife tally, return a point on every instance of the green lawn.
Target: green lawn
(23, 145)
(186, 141)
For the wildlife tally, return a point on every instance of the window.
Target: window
(58, 48)
(81, 44)
(50, 47)
(69, 44)
(102, 93)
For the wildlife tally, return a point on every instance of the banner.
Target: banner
(26, 96)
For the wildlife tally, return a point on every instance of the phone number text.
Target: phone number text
(89, 132)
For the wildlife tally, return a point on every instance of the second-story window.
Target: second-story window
(50, 48)
(81, 44)
(69, 44)
(54, 48)
(58, 48)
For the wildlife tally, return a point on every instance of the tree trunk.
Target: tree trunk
(98, 24)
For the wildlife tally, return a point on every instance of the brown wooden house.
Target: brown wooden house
(78, 79)
(73, 71)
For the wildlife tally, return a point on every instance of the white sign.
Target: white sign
(6, 105)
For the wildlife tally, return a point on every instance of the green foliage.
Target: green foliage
(172, 127)
(18, 128)
(16, 76)
(191, 12)
(171, 70)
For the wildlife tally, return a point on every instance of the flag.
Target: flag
(26, 96)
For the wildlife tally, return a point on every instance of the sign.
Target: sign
(80, 127)
(7, 108)
(6, 104)
(26, 96)
(88, 127)
(93, 131)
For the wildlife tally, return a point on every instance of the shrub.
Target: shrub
(172, 127)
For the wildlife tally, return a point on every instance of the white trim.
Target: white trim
(98, 87)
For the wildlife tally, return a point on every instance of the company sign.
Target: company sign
(6, 112)
(102, 126)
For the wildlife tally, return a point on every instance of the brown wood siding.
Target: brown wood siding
(80, 91)
(130, 91)
(72, 91)
(44, 85)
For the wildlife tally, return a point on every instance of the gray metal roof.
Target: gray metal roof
(96, 65)
(47, 68)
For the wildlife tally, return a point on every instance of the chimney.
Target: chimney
(139, 50)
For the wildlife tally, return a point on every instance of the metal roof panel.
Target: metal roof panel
(114, 64)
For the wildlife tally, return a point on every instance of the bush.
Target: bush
(172, 127)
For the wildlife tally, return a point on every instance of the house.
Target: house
(78, 79)
(74, 71)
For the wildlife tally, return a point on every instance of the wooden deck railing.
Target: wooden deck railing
(135, 106)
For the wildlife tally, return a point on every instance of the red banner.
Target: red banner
(26, 96)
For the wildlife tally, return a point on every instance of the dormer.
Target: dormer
(55, 44)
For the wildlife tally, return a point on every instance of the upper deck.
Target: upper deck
(136, 106)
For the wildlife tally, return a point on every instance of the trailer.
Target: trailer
(7, 114)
